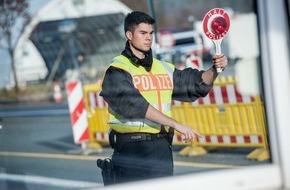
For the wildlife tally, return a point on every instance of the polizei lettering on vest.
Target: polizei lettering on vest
(152, 82)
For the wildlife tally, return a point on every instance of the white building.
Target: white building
(42, 52)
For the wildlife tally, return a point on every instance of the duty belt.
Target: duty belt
(118, 137)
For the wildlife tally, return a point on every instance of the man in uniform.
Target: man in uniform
(139, 90)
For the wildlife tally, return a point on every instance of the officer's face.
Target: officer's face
(141, 39)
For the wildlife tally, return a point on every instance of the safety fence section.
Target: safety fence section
(98, 115)
(241, 125)
(225, 117)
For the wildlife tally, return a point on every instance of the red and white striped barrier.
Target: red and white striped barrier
(225, 139)
(219, 95)
(96, 101)
(78, 113)
(227, 94)
(102, 136)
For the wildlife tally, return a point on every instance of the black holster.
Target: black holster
(109, 173)
(170, 135)
(112, 139)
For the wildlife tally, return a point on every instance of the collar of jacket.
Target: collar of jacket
(146, 62)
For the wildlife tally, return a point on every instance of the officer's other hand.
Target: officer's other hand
(190, 135)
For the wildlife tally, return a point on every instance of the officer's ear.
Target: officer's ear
(129, 35)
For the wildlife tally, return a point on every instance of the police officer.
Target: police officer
(139, 89)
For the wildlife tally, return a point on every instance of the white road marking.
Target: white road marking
(49, 181)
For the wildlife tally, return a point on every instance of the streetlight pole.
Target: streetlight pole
(152, 13)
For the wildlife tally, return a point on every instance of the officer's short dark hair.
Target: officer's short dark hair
(134, 18)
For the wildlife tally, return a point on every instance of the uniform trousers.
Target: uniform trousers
(143, 159)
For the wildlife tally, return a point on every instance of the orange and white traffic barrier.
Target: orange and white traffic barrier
(78, 113)
(57, 95)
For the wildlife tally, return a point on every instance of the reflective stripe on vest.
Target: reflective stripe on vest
(155, 86)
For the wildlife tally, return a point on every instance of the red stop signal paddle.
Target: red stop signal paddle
(216, 24)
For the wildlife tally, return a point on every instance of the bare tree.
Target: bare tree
(14, 16)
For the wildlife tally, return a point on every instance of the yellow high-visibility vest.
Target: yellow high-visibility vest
(155, 86)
